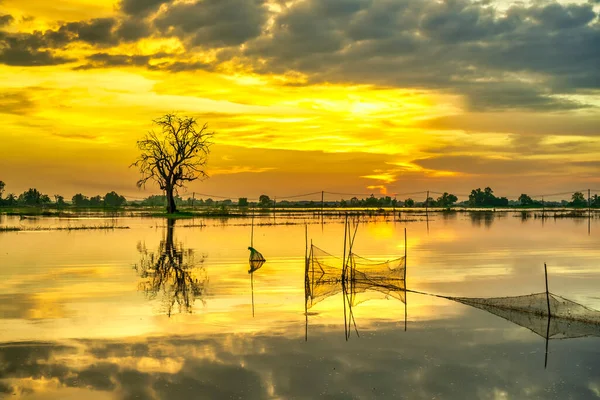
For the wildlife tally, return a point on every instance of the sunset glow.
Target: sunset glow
(304, 96)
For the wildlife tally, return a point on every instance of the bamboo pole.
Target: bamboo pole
(322, 201)
(547, 340)
(252, 288)
(345, 240)
(306, 282)
(547, 292)
(252, 230)
(589, 212)
(306, 261)
(543, 207)
(405, 287)
(345, 317)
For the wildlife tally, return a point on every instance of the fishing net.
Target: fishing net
(567, 319)
(256, 259)
(255, 255)
(325, 277)
(387, 278)
(255, 265)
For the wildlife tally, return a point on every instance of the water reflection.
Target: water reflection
(359, 280)
(485, 217)
(525, 215)
(545, 314)
(172, 272)
(107, 343)
(421, 362)
(255, 265)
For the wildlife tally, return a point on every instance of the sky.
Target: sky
(349, 96)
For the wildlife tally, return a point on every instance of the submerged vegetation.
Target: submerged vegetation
(60, 228)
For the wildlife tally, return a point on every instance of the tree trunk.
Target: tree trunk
(171, 208)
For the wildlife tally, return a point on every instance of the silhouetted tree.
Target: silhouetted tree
(80, 200)
(479, 198)
(243, 202)
(113, 199)
(96, 201)
(446, 200)
(33, 197)
(525, 200)
(371, 201)
(409, 202)
(2, 186)
(176, 155)
(595, 201)
(578, 200)
(59, 200)
(172, 271)
(11, 200)
(264, 200)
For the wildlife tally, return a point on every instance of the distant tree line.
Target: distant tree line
(110, 200)
(477, 198)
(33, 197)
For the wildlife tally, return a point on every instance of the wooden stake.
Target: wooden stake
(547, 340)
(589, 211)
(345, 240)
(547, 292)
(405, 287)
(322, 201)
(252, 287)
(252, 230)
(306, 258)
(306, 286)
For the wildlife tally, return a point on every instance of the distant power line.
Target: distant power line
(364, 194)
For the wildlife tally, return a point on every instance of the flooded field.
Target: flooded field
(169, 311)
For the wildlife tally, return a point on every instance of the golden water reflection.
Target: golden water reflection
(74, 322)
(173, 273)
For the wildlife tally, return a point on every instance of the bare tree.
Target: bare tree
(174, 156)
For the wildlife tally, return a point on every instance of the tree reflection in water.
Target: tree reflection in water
(173, 273)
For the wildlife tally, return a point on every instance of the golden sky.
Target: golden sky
(353, 96)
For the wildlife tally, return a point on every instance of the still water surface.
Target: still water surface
(156, 313)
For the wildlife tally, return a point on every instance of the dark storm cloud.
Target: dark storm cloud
(39, 48)
(461, 46)
(180, 66)
(104, 60)
(24, 50)
(6, 20)
(152, 62)
(140, 7)
(514, 96)
(520, 58)
(214, 23)
(97, 31)
(132, 29)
